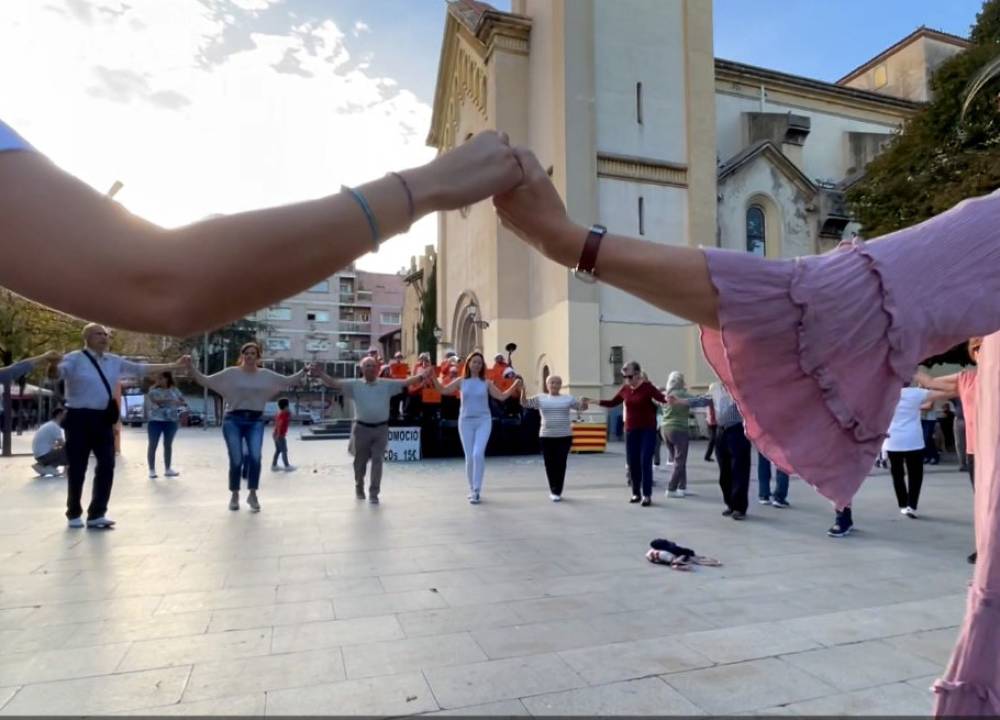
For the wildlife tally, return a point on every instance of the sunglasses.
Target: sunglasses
(628, 377)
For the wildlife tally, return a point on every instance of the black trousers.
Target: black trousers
(733, 451)
(713, 431)
(555, 452)
(88, 432)
(903, 464)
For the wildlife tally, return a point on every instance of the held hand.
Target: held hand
(584, 405)
(184, 362)
(537, 214)
(52, 356)
(473, 171)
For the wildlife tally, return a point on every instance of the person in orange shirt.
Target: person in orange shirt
(397, 369)
(495, 373)
(423, 398)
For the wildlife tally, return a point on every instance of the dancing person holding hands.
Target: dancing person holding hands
(372, 396)
(556, 431)
(245, 389)
(475, 423)
(640, 398)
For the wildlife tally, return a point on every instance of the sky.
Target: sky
(203, 107)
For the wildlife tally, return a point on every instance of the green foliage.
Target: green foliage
(426, 342)
(938, 161)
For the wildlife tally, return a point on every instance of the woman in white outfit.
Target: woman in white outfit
(474, 419)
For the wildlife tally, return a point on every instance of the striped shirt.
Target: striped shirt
(554, 410)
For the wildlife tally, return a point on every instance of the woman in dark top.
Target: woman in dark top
(638, 395)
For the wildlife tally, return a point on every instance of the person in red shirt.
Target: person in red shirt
(281, 422)
(397, 369)
(639, 395)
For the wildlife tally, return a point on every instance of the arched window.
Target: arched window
(756, 240)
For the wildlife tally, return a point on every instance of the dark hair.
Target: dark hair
(169, 377)
(283, 403)
(468, 365)
(58, 413)
(634, 366)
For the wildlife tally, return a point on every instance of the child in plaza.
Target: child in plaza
(281, 422)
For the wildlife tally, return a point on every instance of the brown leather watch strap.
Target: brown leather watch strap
(591, 246)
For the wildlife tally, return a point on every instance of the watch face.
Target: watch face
(584, 276)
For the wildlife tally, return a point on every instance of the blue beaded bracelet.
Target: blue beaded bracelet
(369, 215)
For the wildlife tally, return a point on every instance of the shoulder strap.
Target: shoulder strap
(111, 395)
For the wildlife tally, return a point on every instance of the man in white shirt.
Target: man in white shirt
(90, 422)
(49, 446)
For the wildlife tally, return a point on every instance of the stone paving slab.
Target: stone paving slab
(321, 604)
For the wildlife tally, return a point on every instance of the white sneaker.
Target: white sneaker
(763, 501)
(291, 468)
(275, 468)
(76, 522)
(555, 498)
(101, 523)
(171, 473)
(910, 513)
(152, 474)
(678, 493)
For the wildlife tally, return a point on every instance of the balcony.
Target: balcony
(362, 297)
(354, 326)
(350, 354)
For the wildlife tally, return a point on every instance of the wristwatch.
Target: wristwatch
(584, 270)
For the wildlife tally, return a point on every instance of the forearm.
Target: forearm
(168, 281)
(672, 278)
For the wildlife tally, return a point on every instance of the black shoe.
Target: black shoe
(739, 516)
(972, 558)
(359, 493)
(634, 499)
(727, 512)
(843, 525)
(646, 502)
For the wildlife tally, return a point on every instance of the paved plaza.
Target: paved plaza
(325, 605)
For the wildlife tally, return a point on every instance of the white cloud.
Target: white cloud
(114, 90)
(360, 27)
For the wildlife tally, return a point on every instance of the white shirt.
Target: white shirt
(46, 438)
(84, 389)
(905, 431)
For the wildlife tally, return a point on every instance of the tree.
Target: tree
(939, 159)
(426, 342)
(28, 329)
(224, 343)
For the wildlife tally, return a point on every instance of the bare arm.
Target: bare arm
(672, 278)
(945, 383)
(326, 379)
(167, 281)
(450, 389)
(497, 395)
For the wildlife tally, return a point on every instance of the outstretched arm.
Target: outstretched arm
(260, 257)
(945, 383)
(496, 394)
(672, 278)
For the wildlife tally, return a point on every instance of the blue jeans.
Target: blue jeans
(155, 429)
(639, 447)
(244, 434)
(764, 481)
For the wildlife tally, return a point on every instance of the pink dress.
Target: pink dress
(820, 346)
(815, 351)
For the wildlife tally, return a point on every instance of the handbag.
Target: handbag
(111, 412)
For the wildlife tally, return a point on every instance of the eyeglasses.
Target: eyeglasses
(628, 377)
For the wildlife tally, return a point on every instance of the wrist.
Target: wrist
(566, 241)
(423, 188)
